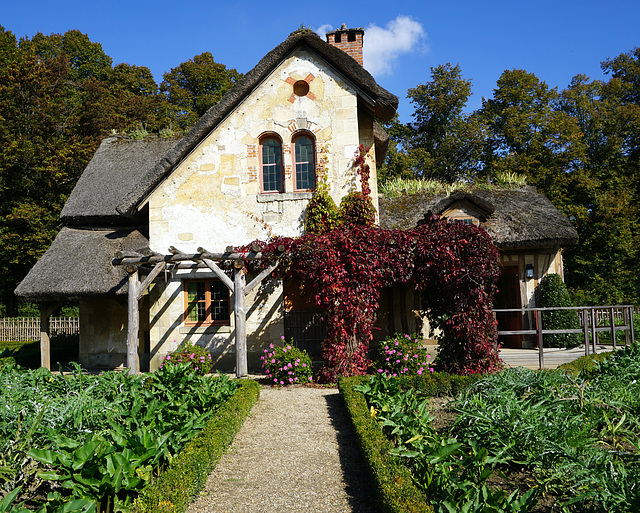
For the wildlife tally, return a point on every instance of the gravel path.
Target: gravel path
(296, 452)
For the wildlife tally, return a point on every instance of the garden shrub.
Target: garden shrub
(322, 212)
(553, 292)
(198, 358)
(403, 354)
(287, 365)
(187, 474)
(394, 486)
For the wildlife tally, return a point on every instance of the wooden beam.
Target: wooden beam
(258, 279)
(46, 310)
(219, 273)
(182, 257)
(240, 314)
(147, 281)
(133, 317)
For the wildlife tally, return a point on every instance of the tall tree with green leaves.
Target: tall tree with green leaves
(195, 86)
(445, 142)
(529, 135)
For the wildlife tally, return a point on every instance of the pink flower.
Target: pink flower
(420, 372)
(380, 371)
(288, 347)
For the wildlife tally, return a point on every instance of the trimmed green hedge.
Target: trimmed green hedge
(585, 364)
(187, 474)
(396, 492)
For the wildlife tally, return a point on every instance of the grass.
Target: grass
(405, 186)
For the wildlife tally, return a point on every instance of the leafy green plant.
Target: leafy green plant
(119, 431)
(553, 292)
(453, 474)
(322, 213)
(197, 358)
(287, 365)
(402, 354)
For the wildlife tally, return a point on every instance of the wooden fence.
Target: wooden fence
(593, 321)
(13, 329)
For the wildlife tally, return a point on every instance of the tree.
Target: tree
(528, 135)
(40, 160)
(195, 86)
(446, 143)
(600, 199)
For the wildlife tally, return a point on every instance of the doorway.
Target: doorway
(508, 296)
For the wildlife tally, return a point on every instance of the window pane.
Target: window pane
(219, 302)
(271, 165)
(305, 173)
(196, 301)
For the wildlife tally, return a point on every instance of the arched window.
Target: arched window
(271, 168)
(304, 162)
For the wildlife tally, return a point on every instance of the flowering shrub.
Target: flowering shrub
(287, 365)
(198, 358)
(403, 354)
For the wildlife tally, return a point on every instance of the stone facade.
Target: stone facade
(213, 198)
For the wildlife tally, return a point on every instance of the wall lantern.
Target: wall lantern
(528, 271)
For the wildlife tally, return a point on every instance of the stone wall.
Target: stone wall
(213, 198)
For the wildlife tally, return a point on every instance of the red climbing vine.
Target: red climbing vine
(453, 265)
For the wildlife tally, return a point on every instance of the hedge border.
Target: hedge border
(395, 489)
(187, 474)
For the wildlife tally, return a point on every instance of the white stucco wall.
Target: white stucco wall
(213, 200)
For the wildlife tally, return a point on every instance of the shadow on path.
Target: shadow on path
(359, 485)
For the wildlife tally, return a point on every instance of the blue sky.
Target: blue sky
(553, 39)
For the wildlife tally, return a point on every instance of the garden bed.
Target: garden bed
(95, 443)
(519, 440)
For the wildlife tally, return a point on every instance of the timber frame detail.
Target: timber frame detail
(152, 265)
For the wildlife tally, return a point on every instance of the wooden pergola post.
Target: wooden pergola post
(238, 288)
(46, 310)
(135, 292)
(240, 314)
(133, 324)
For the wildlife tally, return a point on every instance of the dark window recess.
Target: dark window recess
(306, 330)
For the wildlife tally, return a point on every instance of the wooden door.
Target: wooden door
(508, 296)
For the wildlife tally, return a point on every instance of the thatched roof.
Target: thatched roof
(385, 104)
(114, 170)
(515, 218)
(78, 264)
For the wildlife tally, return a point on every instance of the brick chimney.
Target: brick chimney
(348, 40)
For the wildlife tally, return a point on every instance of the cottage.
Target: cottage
(244, 172)
(527, 228)
(171, 207)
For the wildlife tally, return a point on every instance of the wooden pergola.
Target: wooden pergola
(154, 264)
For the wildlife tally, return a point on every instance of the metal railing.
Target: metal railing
(593, 321)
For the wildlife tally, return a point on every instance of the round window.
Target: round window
(300, 88)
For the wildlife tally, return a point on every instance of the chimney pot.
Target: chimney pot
(348, 40)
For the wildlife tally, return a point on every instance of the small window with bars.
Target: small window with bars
(305, 164)
(271, 168)
(206, 303)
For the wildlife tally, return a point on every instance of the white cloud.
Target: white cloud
(323, 29)
(383, 46)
